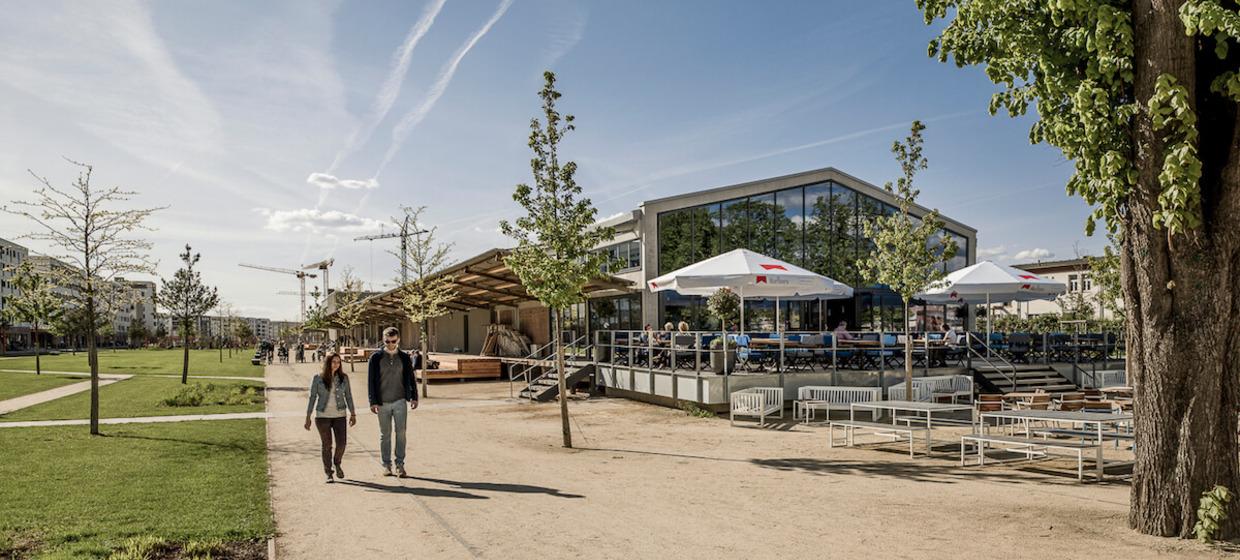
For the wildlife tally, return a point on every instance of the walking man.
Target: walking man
(390, 385)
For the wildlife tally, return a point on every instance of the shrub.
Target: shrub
(692, 409)
(1211, 513)
(212, 394)
(140, 548)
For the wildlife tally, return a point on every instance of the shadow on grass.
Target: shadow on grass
(496, 487)
(232, 446)
(412, 490)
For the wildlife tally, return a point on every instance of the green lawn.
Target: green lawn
(18, 384)
(133, 397)
(67, 494)
(201, 362)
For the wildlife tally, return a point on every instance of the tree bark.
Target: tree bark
(559, 369)
(38, 367)
(185, 357)
(1180, 293)
(908, 358)
(92, 359)
(426, 354)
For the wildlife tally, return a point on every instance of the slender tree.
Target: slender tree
(91, 229)
(187, 299)
(350, 305)
(243, 332)
(1105, 272)
(909, 252)
(426, 295)
(36, 303)
(1143, 97)
(554, 257)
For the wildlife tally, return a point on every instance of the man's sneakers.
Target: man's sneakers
(400, 471)
(329, 478)
(387, 471)
(339, 472)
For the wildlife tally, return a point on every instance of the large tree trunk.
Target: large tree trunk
(92, 359)
(908, 358)
(559, 369)
(1183, 329)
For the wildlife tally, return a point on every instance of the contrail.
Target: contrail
(390, 89)
(414, 117)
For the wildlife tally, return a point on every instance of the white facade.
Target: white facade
(1073, 273)
(12, 255)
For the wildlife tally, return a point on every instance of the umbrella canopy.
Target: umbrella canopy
(988, 281)
(750, 274)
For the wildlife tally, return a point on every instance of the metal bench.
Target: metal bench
(1029, 446)
(851, 427)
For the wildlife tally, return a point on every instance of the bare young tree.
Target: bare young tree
(425, 296)
(91, 230)
(350, 306)
(187, 299)
(36, 303)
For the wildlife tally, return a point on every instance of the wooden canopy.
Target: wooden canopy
(482, 282)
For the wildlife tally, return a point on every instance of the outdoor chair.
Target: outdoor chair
(684, 352)
(747, 358)
(757, 402)
(1072, 402)
(1019, 346)
(998, 344)
(987, 403)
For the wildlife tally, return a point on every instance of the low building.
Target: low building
(1073, 273)
(12, 255)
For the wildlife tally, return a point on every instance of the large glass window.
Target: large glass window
(789, 226)
(762, 223)
(735, 224)
(675, 240)
(705, 232)
(818, 228)
(845, 229)
(961, 259)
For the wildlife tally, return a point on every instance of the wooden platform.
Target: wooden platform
(461, 366)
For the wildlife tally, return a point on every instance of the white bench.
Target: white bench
(825, 397)
(757, 402)
(925, 388)
(1030, 447)
(892, 430)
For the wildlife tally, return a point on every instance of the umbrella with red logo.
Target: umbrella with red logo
(750, 275)
(987, 281)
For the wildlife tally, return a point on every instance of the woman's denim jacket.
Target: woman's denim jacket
(319, 392)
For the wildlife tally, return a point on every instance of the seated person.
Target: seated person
(841, 332)
(952, 336)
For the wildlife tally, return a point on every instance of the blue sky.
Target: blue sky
(278, 131)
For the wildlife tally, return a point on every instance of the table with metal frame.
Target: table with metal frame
(929, 408)
(1084, 419)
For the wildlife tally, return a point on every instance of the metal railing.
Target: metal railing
(990, 357)
(547, 363)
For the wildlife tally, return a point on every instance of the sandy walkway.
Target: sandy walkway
(27, 401)
(490, 480)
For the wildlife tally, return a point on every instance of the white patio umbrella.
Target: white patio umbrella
(752, 275)
(986, 281)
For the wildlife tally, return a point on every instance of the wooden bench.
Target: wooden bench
(757, 402)
(851, 427)
(1028, 446)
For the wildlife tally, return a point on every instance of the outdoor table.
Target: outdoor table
(929, 408)
(1084, 419)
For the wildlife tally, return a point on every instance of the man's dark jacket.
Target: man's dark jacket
(372, 378)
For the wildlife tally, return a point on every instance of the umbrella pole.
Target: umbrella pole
(779, 331)
(987, 324)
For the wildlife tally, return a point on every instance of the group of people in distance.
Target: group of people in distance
(391, 392)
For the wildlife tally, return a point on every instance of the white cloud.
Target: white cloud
(328, 182)
(414, 117)
(991, 252)
(315, 220)
(1035, 254)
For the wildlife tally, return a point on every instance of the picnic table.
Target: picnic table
(1099, 420)
(916, 407)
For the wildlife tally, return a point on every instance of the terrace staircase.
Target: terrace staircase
(538, 372)
(995, 374)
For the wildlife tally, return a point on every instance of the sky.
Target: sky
(274, 133)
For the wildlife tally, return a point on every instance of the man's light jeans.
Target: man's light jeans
(398, 412)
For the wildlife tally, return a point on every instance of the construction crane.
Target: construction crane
(322, 265)
(404, 235)
(301, 276)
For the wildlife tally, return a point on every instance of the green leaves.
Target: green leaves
(553, 257)
(1211, 512)
(908, 252)
(427, 295)
(185, 297)
(1171, 113)
(725, 305)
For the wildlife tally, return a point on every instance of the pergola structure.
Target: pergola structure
(483, 282)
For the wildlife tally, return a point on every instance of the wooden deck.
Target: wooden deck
(464, 366)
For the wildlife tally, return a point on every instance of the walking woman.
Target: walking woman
(330, 398)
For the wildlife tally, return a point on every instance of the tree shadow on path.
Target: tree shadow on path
(412, 490)
(497, 487)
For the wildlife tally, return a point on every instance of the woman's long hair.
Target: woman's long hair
(329, 373)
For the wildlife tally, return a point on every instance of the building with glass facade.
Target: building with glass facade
(811, 219)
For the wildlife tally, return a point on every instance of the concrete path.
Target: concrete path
(141, 419)
(41, 397)
(104, 375)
